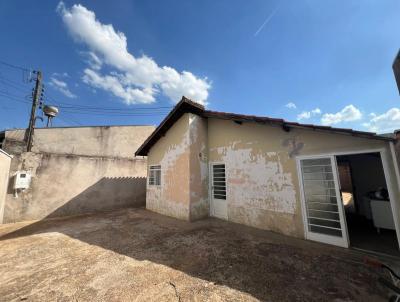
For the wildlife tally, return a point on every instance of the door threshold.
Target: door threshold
(378, 254)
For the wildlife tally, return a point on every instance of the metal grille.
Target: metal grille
(155, 176)
(219, 181)
(320, 197)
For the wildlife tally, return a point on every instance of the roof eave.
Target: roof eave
(185, 105)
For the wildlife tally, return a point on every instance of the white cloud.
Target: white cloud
(60, 85)
(113, 84)
(385, 122)
(135, 79)
(291, 105)
(305, 115)
(348, 114)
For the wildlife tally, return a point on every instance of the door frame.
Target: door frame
(210, 189)
(385, 165)
(339, 241)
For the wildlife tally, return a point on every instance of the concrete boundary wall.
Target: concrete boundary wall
(5, 162)
(64, 185)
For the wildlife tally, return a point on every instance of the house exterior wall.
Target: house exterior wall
(182, 154)
(77, 171)
(261, 170)
(172, 197)
(198, 165)
(5, 161)
(262, 180)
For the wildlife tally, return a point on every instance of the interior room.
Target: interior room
(366, 203)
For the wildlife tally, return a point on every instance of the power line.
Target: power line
(116, 114)
(67, 105)
(14, 66)
(13, 97)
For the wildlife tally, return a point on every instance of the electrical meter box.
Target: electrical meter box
(22, 180)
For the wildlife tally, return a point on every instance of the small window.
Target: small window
(155, 176)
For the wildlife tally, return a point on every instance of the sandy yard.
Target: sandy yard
(137, 255)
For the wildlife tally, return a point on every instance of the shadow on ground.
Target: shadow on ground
(263, 264)
(108, 193)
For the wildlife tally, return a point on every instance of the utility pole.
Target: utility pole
(37, 93)
(396, 70)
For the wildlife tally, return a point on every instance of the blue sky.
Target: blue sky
(331, 60)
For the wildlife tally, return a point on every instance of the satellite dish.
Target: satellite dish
(51, 112)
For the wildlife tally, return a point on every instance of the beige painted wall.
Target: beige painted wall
(262, 180)
(172, 197)
(182, 154)
(113, 141)
(198, 157)
(64, 185)
(77, 170)
(5, 161)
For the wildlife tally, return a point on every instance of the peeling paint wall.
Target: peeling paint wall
(260, 161)
(172, 197)
(199, 199)
(182, 154)
(261, 177)
(262, 183)
(5, 161)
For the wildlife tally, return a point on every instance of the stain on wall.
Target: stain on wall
(106, 141)
(172, 197)
(262, 180)
(70, 185)
(182, 154)
(199, 199)
(76, 171)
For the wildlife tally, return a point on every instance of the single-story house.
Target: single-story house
(333, 185)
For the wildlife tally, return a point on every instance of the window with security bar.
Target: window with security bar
(219, 181)
(155, 175)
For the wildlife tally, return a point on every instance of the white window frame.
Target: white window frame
(157, 175)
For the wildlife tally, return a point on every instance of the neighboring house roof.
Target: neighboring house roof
(188, 106)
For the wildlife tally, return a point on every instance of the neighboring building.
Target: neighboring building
(74, 170)
(273, 174)
(5, 161)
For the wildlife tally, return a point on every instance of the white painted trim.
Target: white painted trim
(148, 176)
(302, 198)
(384, 160)
(339, 241)
(361, 151)
(5, 153)
(396, 164)
(342, 215)
(388, 180)
(211, 196)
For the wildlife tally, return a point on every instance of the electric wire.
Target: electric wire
(14, 66)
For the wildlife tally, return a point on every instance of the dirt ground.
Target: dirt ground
(136, 255)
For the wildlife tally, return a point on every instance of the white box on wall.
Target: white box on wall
(22, 180)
